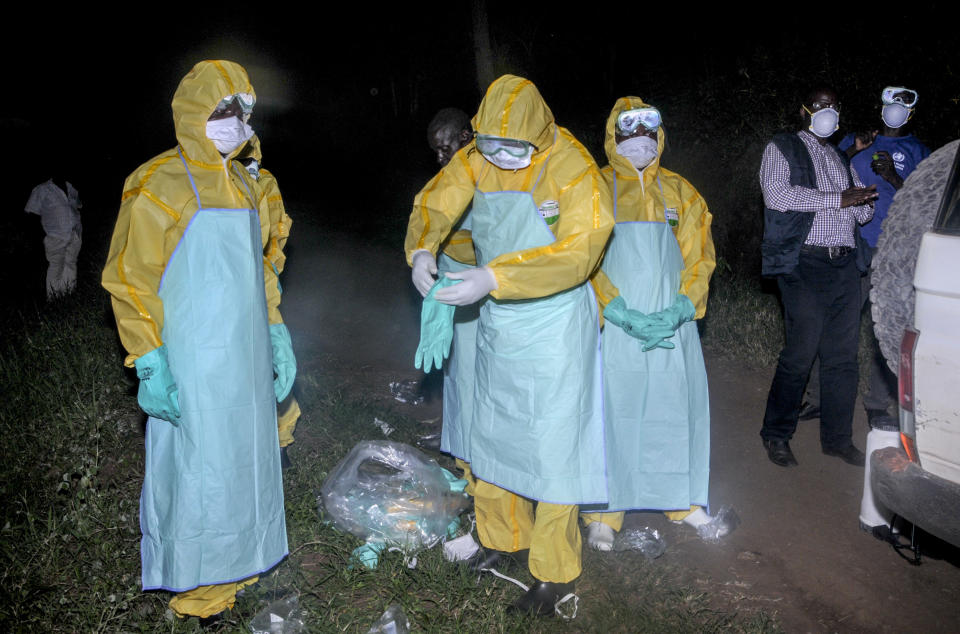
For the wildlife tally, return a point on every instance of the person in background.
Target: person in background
(447, 133)
(58, 204)
(539, 219)
(885, 164)
(198, 313)
(288, 411)
(815, 205)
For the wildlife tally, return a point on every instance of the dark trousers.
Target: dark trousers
(821, 308)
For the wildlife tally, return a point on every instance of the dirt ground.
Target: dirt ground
(798, 554)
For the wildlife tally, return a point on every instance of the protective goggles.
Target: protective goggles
(244, 100)
(903, 96)
(629, 120)
(490, 145)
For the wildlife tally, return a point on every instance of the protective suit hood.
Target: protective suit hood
(514, 109)
(197, 97)
(619, 163)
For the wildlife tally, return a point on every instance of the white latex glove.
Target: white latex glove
(424, 268)
(477, 284)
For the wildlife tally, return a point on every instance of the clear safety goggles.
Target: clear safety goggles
(242, 102)
(629, 121)
(903, 96)
(490, 145)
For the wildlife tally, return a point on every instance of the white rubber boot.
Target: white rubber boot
(872, 512)
(600, 536)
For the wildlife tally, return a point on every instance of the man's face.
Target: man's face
(820, 100)
(233, 108)
(446, 141)
(641, 131)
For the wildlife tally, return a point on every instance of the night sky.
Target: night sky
(344, 96)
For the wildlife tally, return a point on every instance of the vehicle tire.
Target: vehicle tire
(911, 214)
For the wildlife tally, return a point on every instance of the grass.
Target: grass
(69, 532)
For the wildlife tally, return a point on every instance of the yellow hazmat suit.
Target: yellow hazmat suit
(570, 183)
(288, 412)
(641, 201)
(157, 206)
(689, 219)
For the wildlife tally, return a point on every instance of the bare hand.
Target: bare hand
(883, 166)
(858, 196)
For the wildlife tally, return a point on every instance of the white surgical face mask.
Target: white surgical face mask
(824, 122)
(228, 134)
(639, 150)
(895, 115)
(506, 161)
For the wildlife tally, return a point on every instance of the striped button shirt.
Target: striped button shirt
(832, 225)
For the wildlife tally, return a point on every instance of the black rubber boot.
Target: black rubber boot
(488, 558)
(541, 599)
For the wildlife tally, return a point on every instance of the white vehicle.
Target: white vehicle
(920, 481)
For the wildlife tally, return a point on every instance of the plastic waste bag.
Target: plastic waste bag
(393, 621)
(390, 493)
(280, 617)
(647, 540)
(722, 524)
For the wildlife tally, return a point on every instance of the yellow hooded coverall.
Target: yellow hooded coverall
(513, 108)
(288, 412)
(641, 201)
(157, 205)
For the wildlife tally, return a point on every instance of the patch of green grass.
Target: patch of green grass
(69, 535)
(742, 321)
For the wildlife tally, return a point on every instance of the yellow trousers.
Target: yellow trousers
(508, 522)
(204, 601)
(287, 421)
(615, 520)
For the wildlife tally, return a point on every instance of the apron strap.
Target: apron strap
(190, 176)
(549, 154)
(243, 180)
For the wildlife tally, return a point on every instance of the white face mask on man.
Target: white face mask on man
(824, 122)
(228, 134)
(639, 150)
(894, 115)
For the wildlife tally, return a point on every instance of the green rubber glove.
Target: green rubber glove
(668, 320)
(158, 394)
(436, 328)
(284, 363)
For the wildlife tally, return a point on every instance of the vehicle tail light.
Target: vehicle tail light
(905, 378)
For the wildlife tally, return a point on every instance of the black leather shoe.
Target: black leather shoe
(541, 599)
(809, 411)
(486, 559)
(849, 454)
(779, 452)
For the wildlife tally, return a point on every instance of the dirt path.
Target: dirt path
(798, 554)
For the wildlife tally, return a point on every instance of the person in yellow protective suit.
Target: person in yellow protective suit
(655, 389)
(447, 133)
(540, 216)
(251, 156)
(198, 314)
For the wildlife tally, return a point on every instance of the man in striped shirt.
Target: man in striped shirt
(814, 206)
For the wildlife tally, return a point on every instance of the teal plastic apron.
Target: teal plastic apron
(657, 409)
(538, 422)
(211, 508)
(459, 375)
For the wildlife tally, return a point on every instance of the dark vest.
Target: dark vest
(784, 232)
